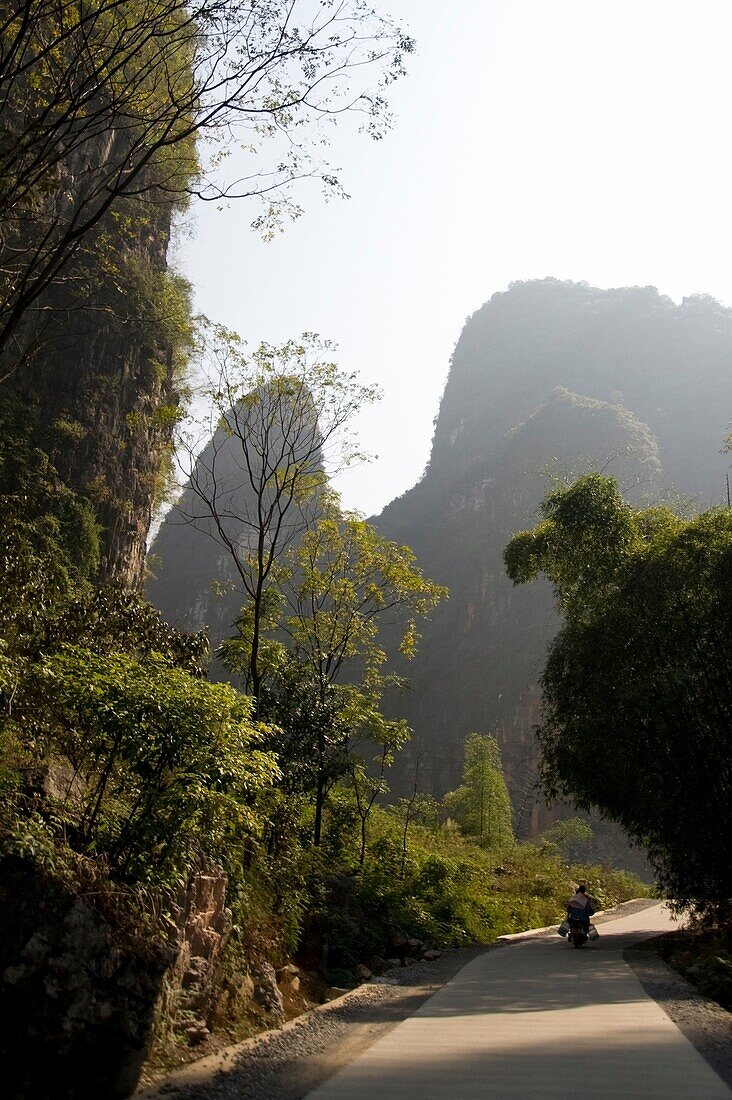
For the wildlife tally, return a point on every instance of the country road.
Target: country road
(528, 1019)
(537, 1020)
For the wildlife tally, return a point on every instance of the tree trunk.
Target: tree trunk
(319, 799)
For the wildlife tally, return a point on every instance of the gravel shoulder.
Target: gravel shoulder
(293, 1060)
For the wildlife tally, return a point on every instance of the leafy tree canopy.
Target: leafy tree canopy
(151, 761)
(637, 686)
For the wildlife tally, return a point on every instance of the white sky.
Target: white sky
(585, 139)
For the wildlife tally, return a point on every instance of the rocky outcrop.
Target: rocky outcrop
(96, 361)
(201, 925)
(78, 992)
(104, 399)
(266, 990)
(84, 987)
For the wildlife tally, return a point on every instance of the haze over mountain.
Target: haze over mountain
(194, 580)
(548, 379)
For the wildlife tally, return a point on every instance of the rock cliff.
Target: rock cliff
(103, 393)
(547, 380)
(97, 360)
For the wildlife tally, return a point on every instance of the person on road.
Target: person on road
(579, 907)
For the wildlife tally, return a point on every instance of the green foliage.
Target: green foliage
(49, 539)
(482, 804)
(311, 733)
(586, 523)
(347, 581)
(113, 619)
(41, 517)
(159, 762)
(122, 50)
(452, 891)
(569, 837)
(322, 687)
(152, 764)
(68, 430)
(637, 686)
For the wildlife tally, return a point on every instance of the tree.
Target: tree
(408, 804)
(368, 781)
(570, 837)
(348, 583)
(101, 104)
(156, 764)
(481, 804)
(637, 711)
(342, 582)
(275, 419)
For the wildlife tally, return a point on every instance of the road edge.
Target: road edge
(706, 1025)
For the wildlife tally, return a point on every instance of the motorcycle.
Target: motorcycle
(578, 931)
(577, 934)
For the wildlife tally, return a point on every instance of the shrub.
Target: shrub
(160, 764)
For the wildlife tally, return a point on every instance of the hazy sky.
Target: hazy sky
(586, 139)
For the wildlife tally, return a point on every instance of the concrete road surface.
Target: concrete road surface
(537, 1019)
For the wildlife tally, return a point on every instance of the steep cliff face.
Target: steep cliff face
(97, 142)
(632, 346)
(656, 398)
(102, 383)
(480, 657)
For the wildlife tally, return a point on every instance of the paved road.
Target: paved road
(537, 1019)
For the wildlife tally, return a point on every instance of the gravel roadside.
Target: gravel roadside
(290, 1062)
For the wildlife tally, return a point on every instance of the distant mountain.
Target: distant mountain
(193, 577)
(548, 379)
(668, 364)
